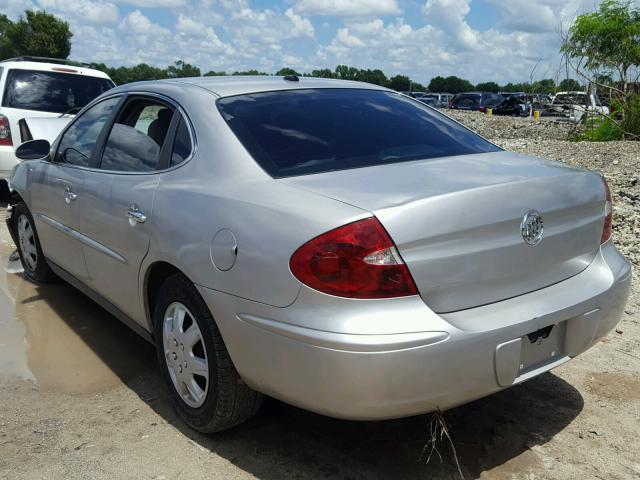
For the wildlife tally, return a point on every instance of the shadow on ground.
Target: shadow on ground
(286, 442)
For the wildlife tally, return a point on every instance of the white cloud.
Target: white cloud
(186, 25)
(136, 23)
(154, 3)
(302, 27)
(88, 11)
(340, 8)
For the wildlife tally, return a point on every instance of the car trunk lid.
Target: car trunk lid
(457, 221)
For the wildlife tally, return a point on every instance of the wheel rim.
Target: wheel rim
(27, 241)
(185, 354)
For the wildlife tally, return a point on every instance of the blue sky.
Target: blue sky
(476, 39)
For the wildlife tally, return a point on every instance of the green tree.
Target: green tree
(322, 73)
(6, 49)
(212, 73)
(287, 71)
(451, 84)
(546, 85)
(180, 69)
(608, 38)
(400, 83)
(377, 77)
(37, 33)
(570, 85)
(343, 72)
(488, 87)
(250, 72)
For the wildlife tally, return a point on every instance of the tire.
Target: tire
(33, 260)
(211, 404)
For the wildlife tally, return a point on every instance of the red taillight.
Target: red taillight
(358, 260)
(5, 131)
(608, 213)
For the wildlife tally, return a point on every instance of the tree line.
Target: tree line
(403, 83)
(39, 33)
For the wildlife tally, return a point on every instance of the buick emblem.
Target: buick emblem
(531, 227)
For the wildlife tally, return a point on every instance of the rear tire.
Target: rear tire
(33, 261)
(207, 391)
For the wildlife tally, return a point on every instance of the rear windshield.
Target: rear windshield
(297, 132)
(51, 91)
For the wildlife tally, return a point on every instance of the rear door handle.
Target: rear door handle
(135, 215)
(69, 196)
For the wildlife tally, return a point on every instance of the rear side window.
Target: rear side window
(137, 137)
(55, 92)
(181, 144)
(306, 131)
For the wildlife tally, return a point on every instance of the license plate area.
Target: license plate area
(542, 346)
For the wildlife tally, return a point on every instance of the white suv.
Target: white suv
(51, 89)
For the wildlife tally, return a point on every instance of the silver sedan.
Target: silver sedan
(336, 245)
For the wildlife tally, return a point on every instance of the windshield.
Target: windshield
(51, 91)
(297, 132)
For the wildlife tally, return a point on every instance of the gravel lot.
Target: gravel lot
(81, 398)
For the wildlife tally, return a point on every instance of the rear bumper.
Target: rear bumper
(412, 361)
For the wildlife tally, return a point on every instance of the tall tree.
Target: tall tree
(377, 77)
(37, 33)
(488, 87)
(569, 85)
(322, 73)
(451, 84)
(608, 38)
(400, 83)
(287, 71)
(180, 69)
(6, 50)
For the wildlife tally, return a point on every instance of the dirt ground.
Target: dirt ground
(81, 398)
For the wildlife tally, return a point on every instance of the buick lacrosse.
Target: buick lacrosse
(336, 245)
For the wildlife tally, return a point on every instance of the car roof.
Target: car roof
(53, 67)
(238, 85)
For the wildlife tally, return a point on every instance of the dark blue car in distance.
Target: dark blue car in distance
(478, 101)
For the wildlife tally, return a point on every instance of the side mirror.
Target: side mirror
(33, 150)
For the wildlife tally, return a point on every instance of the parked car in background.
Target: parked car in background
(441, 99)
(478, 101)
(396, 265)
(513, 105)
(47, 92)
(575, 104)
(429, 100)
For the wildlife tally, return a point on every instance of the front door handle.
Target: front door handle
(69, 196)
(135, 215)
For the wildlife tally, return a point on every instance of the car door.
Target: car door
(119, 200)
(56, 192)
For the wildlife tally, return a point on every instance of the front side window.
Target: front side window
(297, 132)
(55, 92)
(78, 143)
(137, 137)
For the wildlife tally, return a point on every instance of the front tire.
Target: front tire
(207, 391)
(33, 261)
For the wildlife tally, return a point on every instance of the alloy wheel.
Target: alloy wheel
(185, 354)
(27, 241)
